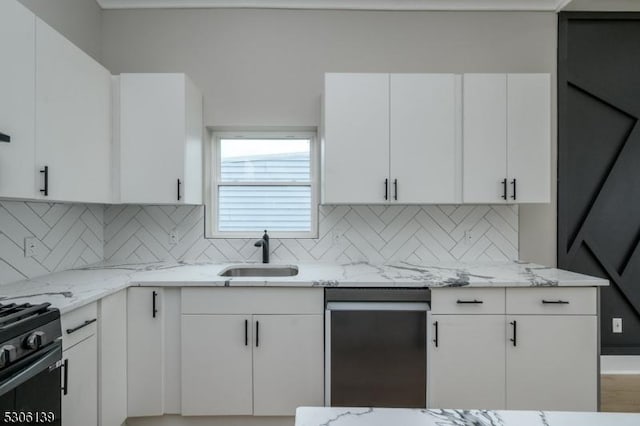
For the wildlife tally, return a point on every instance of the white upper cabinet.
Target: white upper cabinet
(73, 121)
(391, 138)
(160, 140)
(485, 138)
(425, 143)
(17, 106)
(355, 149)
(529, 136)
(507, 136)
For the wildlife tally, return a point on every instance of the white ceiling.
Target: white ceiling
(533, 5)
(475, 5)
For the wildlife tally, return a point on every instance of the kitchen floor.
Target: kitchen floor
(620, 393)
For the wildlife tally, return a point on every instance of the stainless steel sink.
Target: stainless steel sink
(260, 271)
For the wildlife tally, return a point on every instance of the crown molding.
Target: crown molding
(407, 5)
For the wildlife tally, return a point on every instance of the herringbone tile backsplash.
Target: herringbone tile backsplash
(346, 233)
(66, 235)
(69, 235)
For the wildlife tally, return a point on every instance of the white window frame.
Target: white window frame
(213, 181)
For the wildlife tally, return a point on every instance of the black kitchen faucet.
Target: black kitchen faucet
(264, 243)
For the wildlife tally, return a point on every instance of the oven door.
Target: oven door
(30, 389)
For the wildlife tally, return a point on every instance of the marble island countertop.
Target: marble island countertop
(71, 289)
(336, 416)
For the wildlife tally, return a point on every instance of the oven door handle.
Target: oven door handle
(48, 358)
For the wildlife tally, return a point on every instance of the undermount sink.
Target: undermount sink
(260, 271)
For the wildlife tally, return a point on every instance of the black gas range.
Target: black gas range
(30, 361)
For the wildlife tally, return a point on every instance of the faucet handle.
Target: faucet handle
(265, 236)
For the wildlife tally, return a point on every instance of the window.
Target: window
(264, 180)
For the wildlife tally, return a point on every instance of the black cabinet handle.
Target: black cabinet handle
(4, 137)
(45, 190)
(435, 339)
(514, 339)
(179, 196)
(386, 189)
(257, 333)
(246, 332)
(504, 189)
(154, 297)
(65, 377)
(513, 183)
(555, 302)
(83, 325)
(469, 302)
(395, 185)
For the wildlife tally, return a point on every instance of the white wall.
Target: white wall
(265, 67)
(78, 20)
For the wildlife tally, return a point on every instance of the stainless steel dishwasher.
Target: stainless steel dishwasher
(376, 347)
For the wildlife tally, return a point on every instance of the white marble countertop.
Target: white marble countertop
(73, 288)
(336, 416)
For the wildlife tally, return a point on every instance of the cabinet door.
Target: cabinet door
(80, 403)
(553, 365)
(73, 119)
(529, 137)
(485, 137)
(425, 166)
(216, 365)
(356, 138)
(145, 352)
(466, 367)
(288, 363)
(113, 359)
(152, 137)
(17, 107)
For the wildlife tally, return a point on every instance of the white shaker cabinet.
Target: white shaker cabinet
(216, 365)
(159, 146)
(73, 121)
(467, 362)
(355, 148)
(17, 107)
(507, 138)
(529, 137)
(288, 363)
(391, 138)
(112, 372)
(145, 351)
(80, 383)
(552, 365)
(425, 144)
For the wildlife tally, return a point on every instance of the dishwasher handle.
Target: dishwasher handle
(378, 306)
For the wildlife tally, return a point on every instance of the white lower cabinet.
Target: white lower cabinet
(80, 384)
(145, 352)
(537, 350)
(112, 370)
(287, 363)
(216, 365)
(467, 362)
(251, 352)
(552, 364)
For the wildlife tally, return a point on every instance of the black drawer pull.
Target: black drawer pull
(246, 332)
(179, 195)
(469, 302)
(395, 185)
(154, 309)
(257, 334)
(514, 339)
(386, 189)
(514, 183)
(65, 382)
(4, 137)
(435, 337)
(45, 190)
(83, 325)
(504, 189)
(555, 302)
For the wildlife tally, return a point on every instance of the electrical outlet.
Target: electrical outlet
(30, 246)
(174, 237)
(617, 325)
